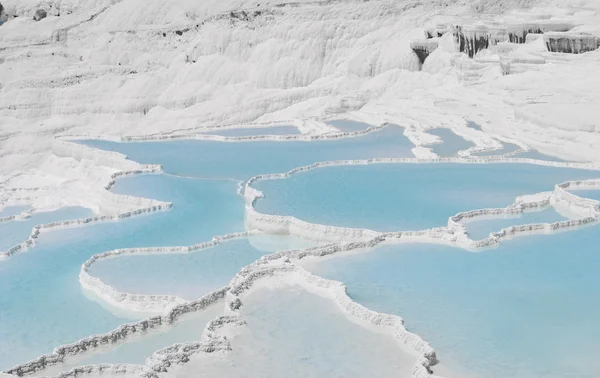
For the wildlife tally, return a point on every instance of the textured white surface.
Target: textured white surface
(130, 68)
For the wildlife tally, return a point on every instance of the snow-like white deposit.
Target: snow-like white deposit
(131, 68)
(137, 70)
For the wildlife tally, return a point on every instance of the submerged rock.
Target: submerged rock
(571, 43)
(40, 14)
(423, 48)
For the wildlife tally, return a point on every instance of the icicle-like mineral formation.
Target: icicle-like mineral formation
(571, 43)
(423, 48)
(471, 39)
(517, 33)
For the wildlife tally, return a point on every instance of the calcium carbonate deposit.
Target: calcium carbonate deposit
(348, 188)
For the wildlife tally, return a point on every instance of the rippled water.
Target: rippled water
(527, 309)
(393, 197)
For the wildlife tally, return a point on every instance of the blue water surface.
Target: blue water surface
(41, 301)
(528, 309)
(242, 160)
(591, 194)
(451, 143)
(18, 231)
(296, 334)
(13, 210)
(480, 229)
(136, 349)
(190, 275)
(393, 197)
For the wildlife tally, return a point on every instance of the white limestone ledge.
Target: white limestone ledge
(455, 232)
(142, 302)
(38, 229)
(120, 334)
(23, 215)
(111, 159)
(280, 268)
(211, 342)
(251, 138)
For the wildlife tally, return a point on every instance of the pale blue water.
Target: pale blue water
(292, 333)
(393, 197)
(18, 231)
(452, 143)
(528, 309)
(481, 229)
(591, 194)
(135, 350)
(13, 210)
(192, 275)
(506, 148)
(41, 301)
(242, 132)
(242, 160)
(346, 125)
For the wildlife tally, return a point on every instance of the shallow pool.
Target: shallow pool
(527, 309)
(191, 275)
(40, 297)
(136, 349)
(481, 228)
(17, 231)
(242, 160)
(451, 143)
(293, 333)
(393, 197)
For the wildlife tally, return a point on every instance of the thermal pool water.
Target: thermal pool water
(394, 197)
(488, 314)
(527, 309)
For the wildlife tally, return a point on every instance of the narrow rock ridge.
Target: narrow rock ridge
(121, 333)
